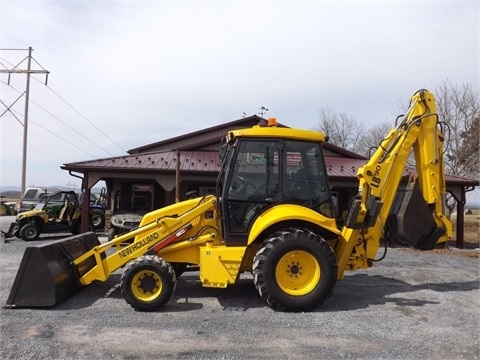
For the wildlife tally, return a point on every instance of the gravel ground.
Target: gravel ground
(412, 305)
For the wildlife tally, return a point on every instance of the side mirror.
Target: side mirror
(223, 149)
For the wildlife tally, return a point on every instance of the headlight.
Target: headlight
(117, 222)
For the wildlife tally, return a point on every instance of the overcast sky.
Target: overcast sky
(128, 73)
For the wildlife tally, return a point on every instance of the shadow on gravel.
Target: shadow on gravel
(92, 293)
(356, 292)
(360, 291)
(241, 296)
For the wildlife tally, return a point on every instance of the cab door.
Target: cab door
(252, 184)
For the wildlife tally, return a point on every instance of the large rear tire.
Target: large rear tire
(295, 270)
(29, 232)
(98, 218)
(148, 283)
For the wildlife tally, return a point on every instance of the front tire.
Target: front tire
(75, 227)
(148, 283)
(29, 232)
(295, 270)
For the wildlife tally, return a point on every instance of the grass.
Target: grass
(471, 230)
(471, 237)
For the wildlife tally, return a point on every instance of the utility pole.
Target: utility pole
(17, 70)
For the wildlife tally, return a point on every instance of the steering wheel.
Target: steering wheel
(244, 184)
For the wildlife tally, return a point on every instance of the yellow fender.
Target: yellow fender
(285, 212)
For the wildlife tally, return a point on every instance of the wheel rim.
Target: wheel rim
(297, 272)
(146, 285)
(30, 233)
(96, 219)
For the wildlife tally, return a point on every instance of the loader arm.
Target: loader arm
(51, 272)
(152, 236)
(370, 212)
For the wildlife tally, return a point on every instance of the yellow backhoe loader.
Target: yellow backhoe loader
(273, 216)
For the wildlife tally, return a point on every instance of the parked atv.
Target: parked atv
(62, 214)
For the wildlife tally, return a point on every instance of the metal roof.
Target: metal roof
(208, 162)
(194, 161)
(163, 161)
(343, 168)
(339, 167)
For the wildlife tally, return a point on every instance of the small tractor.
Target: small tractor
(7, 207)
(97, 210)
(273, 216)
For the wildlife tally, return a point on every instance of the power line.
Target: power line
(73, 108)
(69, 105)
(4, 29)
(63, 139)
(9, 68)
(81, 115)
(64, 123)
(3, 60)
(56, 135)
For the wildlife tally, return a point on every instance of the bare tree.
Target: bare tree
(459, 107)
(372, 138)
(341, 129)
(470, 152)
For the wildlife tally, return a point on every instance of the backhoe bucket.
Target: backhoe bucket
(47, 275)
(411, 221)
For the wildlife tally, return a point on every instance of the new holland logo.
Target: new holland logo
(138, 245)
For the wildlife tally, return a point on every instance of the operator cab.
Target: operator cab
(260, 172)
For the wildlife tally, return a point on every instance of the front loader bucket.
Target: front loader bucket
(47, 275)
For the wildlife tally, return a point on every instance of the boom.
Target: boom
(370, 215)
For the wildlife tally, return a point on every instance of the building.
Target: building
(154, 175)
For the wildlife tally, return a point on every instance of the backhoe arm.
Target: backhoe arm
(377, 207)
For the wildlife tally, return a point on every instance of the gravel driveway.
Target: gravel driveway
(412, 305)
